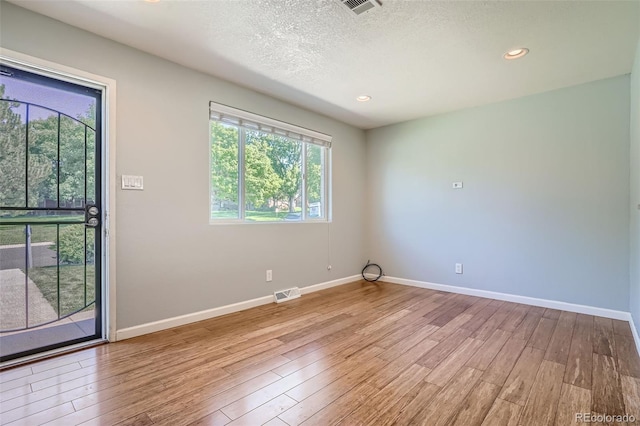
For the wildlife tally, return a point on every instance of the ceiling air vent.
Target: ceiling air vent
(360, 6)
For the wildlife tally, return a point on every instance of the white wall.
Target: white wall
(544, 211)
(634, 205)
(170, 261)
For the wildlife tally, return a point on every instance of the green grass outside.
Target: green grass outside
(72, 291)
(255, 216)
(14, 234)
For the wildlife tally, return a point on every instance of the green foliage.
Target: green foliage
(43, 136)
(74, 292)
(314, 174)
(13, 157)
(224, 162)
(43, 156)
(286, 162)
(41, 233)
(261, 181)
(273, 171)
(72, 246)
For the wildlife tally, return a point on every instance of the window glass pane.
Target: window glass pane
(42, 145)
(42, 272)
(72, 252)
(12, 152)
(91, 161)
(91, 275)
(262, 183)
(315, 182)
(273, 178)
(72, 163)
(224, 171)
(43, 157)
(286, 156)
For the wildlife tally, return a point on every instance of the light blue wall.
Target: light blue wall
(634, 210)
(544, 211)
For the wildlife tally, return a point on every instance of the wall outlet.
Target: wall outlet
(457, 185)
(458, 268)
(269, 275)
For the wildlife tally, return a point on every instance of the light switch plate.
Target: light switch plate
(457, 185)
(132, 182)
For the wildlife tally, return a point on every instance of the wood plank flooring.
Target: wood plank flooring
(358, 354)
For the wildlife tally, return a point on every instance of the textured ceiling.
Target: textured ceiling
(415, 58)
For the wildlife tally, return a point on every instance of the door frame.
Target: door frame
(108, 85)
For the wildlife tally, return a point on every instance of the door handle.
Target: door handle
(91, 215)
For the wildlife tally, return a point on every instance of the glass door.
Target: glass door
(50, 213)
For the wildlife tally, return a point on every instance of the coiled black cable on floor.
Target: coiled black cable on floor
(371, 266)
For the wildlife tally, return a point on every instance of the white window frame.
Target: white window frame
(244, 121)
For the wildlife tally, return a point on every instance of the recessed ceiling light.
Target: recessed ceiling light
(152, 1)
(363, 98)
(516, 53)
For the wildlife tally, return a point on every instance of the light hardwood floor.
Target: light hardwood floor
(352, 355)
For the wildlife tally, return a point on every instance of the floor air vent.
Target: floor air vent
(360, 6)
(288, 294)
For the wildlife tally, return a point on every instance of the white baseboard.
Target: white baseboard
(545, 303)
(152, 327)
(329, 284)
